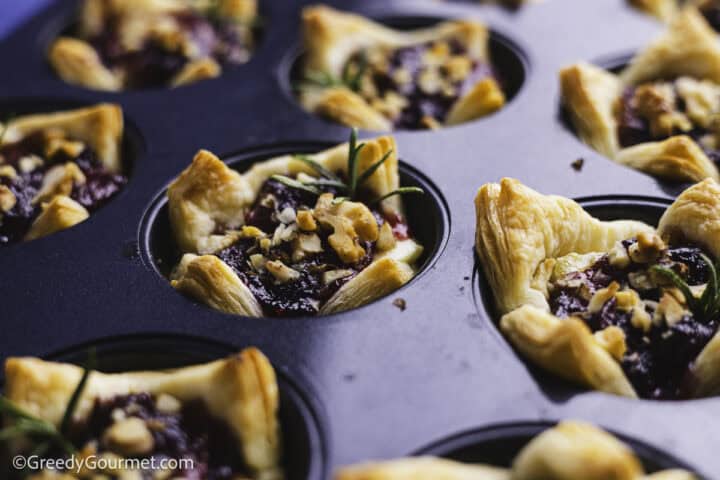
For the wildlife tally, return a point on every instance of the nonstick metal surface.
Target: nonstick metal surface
(384, 382)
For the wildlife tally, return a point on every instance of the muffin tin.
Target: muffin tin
(378, 381)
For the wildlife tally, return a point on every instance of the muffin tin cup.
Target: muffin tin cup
(304, 444)
(388, 380)
(500, 444)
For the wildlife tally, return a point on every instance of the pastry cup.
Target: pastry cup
(240, 390)
(209, 194)
(331, 37)
(77, 62)
(519, 229)
(100, 127)
(569, 451)
(689, 47)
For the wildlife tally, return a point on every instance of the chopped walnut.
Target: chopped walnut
(281, 272)
(29, 163)
(627, 300)
(332, 275)
(304, 244)
(351, 222)
(602, 296)
(258, 261)
(647, 249)
(129, 437)
(618, 256)
(612, 340)
(670, 310)
(59, 180)
(702, 99)
(656, 103)
(70, 148)
(7, 199)
(8, 171)
(641, 318)
(168, 404)
(458, 67)
(287, 215)
(305, 221)
(284, 233)
(249, 231)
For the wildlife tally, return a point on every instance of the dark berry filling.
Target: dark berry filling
(635, 117)
(156, 64)
(416, 86)
(190, 433)
(660, 354)
(100, 184)
(321, 273)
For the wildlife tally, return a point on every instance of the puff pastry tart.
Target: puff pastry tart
(219, 418)
(570, 451)
(363, 74)
(57, 168)
(666, 10)
(660, 114)
(616, 306)
(294, 235)
(121, 44)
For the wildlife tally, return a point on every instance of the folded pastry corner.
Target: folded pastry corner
(658, 115)
(608, 305)
(363, 74)
(568, 451)
(232, 403)
(295, 234)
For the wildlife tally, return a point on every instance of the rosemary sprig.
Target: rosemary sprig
(707, 306)
(44, 433)
(351, 80)
(399, 191)
(350, 188)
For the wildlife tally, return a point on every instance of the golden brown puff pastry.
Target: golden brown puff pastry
(614, 306)
(363, 74)
(280, 240)
(235, 399)
(666, 10)
(570, 451)
(57, 168)
(122, 44)
(659, 114)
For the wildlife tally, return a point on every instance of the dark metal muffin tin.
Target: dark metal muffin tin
(375, 382)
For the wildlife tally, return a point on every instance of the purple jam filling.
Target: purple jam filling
(657, 362)
(304, 295)
(420, 103)
(634, 129)
(192, 433)
(156, 66)
(100, 186)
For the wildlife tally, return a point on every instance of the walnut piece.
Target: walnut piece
(656, 103)
(647, 249)
(305, 221)
(281, 272)
(129, 437)
(351, 222)
(59, 180)
(7, 199)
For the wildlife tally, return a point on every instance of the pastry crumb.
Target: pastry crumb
(400, 303)
(577, 165)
